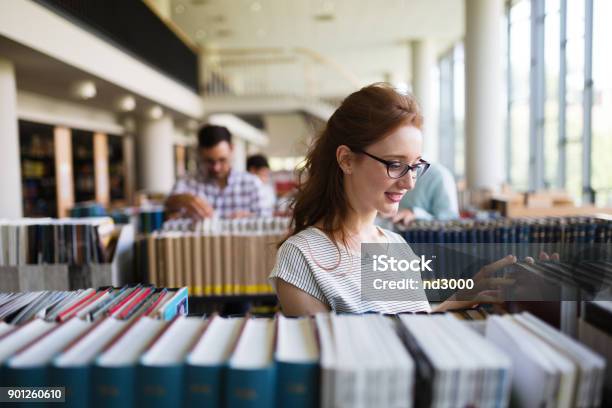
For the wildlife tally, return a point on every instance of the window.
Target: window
(518, 93)
(552, 55)
(602, 103)
(574, 97)
(451, 69)
(574, 108)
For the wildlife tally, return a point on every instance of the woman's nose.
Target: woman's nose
(407, 181)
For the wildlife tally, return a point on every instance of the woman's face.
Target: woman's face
(372, 188)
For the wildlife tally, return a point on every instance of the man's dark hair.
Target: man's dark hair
(211, 135)
(257, 161)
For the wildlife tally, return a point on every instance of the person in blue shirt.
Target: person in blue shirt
(434, 197)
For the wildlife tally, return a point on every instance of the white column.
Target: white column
(484, 130)
(240, 154)
(155, 155)
(10, 167)
(423, 77)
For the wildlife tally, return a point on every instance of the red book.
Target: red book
(118, 306)
(65, 314)
(134, 303)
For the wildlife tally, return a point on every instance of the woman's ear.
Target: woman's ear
(344, 156)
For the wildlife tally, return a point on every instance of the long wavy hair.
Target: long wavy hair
(363, 118)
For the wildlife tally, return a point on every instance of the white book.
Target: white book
(174, 344)
(21, 336)
(87, 348)
(129, 347)
(328, 359)
(535, 379)
(217, 342)
(296, 341)
(445, 364)
(591, 365)
(255, 346)
(43, 351)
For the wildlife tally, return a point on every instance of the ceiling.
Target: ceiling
(366, 38)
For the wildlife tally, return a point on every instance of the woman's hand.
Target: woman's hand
(487, 288)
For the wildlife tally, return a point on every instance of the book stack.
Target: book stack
(595, 331)
(63, 254)
(568, 230)
(92, 304)
(328, 360)
(550, 369)
(212, 257)
(581, 279)
(51, 338)
(73, 241)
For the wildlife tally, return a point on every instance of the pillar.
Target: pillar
(484, 130)
(10, 167)
(155, 155)
(423, 86)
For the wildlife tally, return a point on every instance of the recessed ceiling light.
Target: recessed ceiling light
(201, 34)
(261, 32)
(126, 103)
(84, 89)
(179, 9)
(155, 112)
(255, 6)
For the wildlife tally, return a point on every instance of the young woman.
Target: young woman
(366, 159)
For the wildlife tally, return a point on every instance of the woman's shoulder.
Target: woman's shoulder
(308, 237)
(394, 237)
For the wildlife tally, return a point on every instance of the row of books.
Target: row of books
(254, 225)
(588, 279)
(91, 304)
(214, 257)
(595, 331)
(506, 230)
(328, 360)
(69, 241)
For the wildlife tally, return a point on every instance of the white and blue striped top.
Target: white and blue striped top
(311, 262)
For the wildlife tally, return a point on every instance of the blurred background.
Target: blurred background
(102, 100)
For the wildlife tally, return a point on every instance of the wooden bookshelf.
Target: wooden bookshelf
(101, 168)
(38, 169)
(83, 166)
(64, 170)
(117, 170)
(61, 167)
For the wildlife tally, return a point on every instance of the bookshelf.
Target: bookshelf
(37, 150)
(116, 169)
(83, 166)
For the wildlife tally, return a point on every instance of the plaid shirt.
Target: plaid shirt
(242, 193)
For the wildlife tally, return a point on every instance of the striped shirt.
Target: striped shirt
(311, 262)
(242, 193)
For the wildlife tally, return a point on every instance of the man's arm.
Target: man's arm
(189, 205)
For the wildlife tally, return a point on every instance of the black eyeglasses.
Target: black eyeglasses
(397, 169)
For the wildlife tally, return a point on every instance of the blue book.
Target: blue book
(177, 305)
(251, 372)
(206, 365)
(297, 363)
(29, 367)
(72, 368)
(17, 339)
(160, 372)
(113, 376)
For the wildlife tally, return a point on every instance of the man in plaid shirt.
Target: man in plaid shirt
(216, 189)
